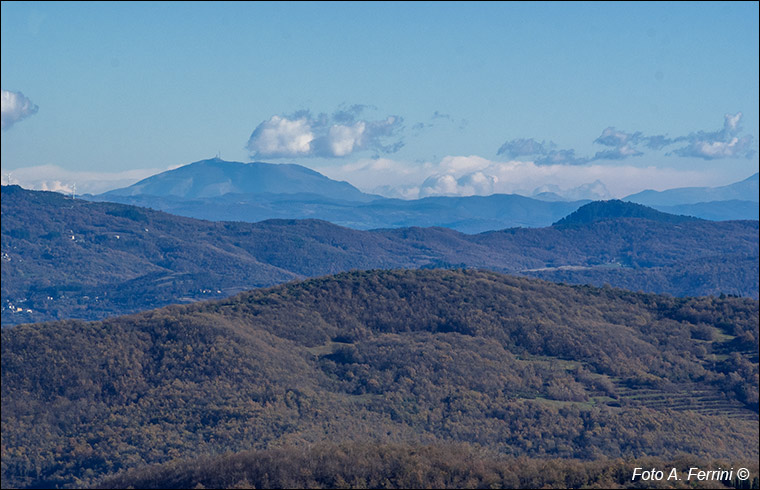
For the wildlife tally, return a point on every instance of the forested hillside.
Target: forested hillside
(68, 258)
(518, 366)
(441, 465)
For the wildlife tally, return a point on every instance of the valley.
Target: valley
(396, 245)
(71, 258)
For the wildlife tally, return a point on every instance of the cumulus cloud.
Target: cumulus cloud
(474, 175)
(615, 138)
(710, 150)
(337, 135)
(471, 184)
(524, 147)
(349, 114)
(281, 137)
(657, 142)
(708, 145)
(343, 139)
(622, 144)
(619, 153)
(725, 143)
(543, 153)
(439, 185)
(15, 107)
(731, 122)
(561, 157)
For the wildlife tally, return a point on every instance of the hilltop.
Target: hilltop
(520, 366)
(70, 258)
(602, 210)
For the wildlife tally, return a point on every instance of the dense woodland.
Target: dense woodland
(68, 258)
(518, 367)
(442, 465)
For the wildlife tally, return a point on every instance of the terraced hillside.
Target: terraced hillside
(518, 366)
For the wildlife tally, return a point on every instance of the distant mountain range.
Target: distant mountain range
(71, 258)
(746, 190)
(218, 190)
(734, 201)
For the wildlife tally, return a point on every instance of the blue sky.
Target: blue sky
(407, 99)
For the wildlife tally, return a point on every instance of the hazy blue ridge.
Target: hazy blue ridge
(745, 190)
(218, 190)
(716, 210)
(216, 177)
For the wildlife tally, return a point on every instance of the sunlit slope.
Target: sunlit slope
(519, 365)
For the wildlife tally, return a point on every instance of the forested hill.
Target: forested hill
(518, 366)
(68, 258)
(601, 210)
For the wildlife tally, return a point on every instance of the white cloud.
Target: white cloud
(612, 137)
(439, 185)
(281, 137)
(707, 145)
(372, 173)
(337, 135)
(54, 178)
(464, 164)
(719, 144)
(471, 184)
(711, 150)
(731, 123)
(343, 139)
(15, 107)
(474, 175)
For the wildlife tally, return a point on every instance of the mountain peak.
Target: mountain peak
(215, 177)
(745, 190)
(615, 208)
